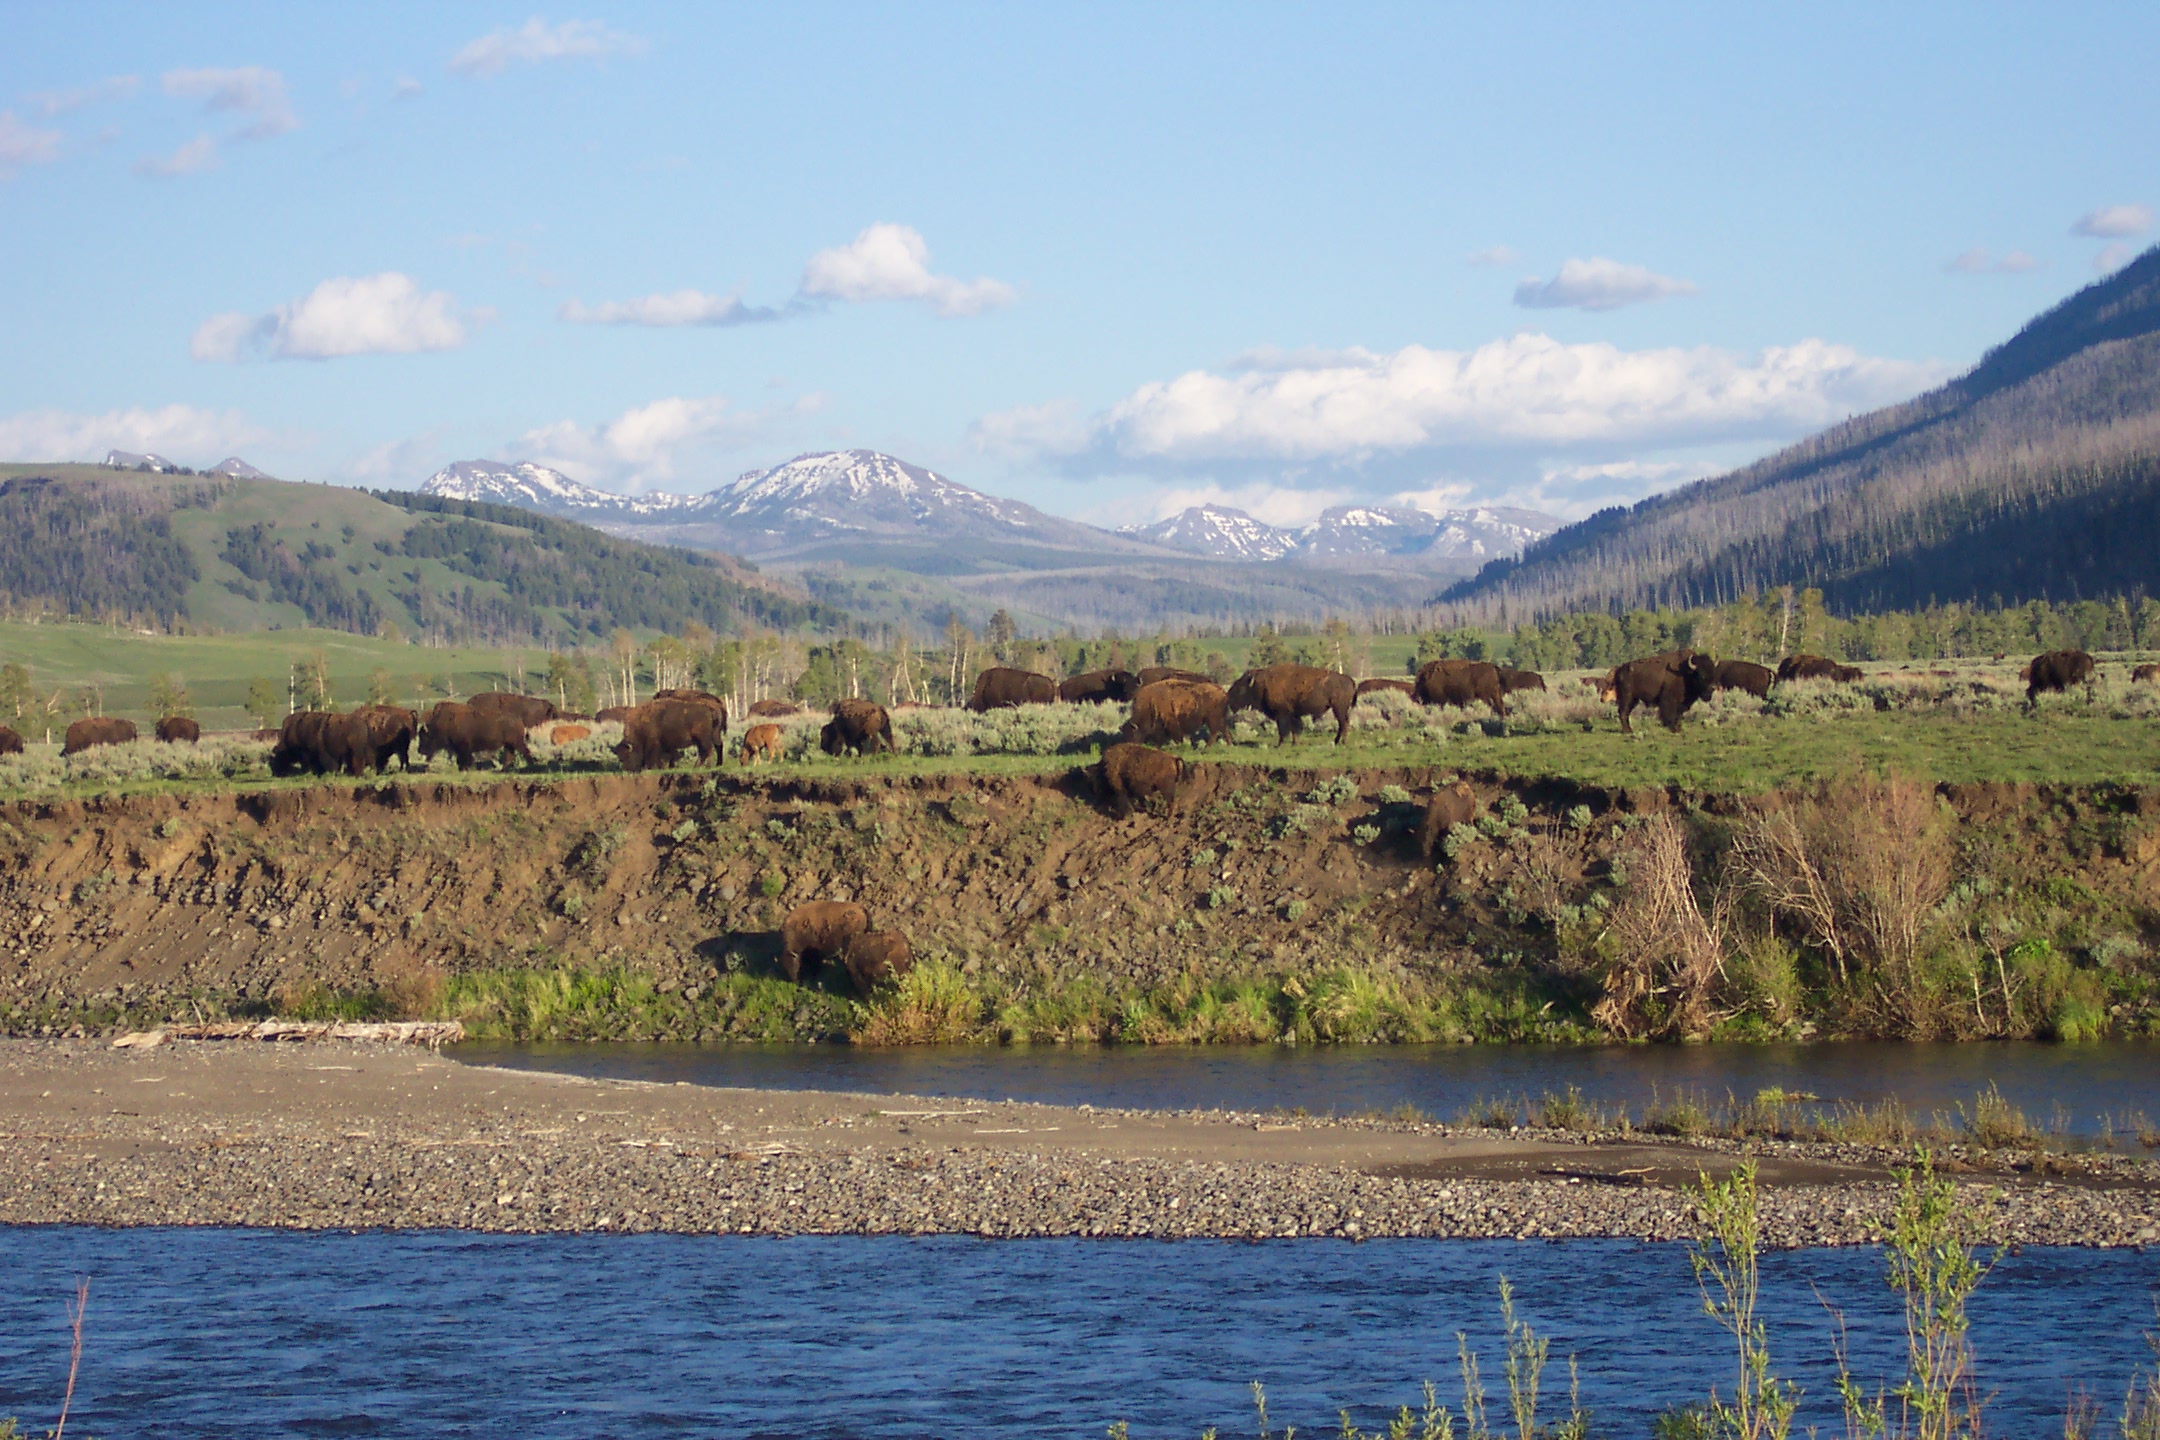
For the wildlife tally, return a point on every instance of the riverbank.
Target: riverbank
(337, 1136)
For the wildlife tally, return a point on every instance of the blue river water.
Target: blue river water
(220, 1332)
(2078, 1088)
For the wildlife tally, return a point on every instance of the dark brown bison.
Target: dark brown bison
(96, 730)
(10, 742)
(527, 710)
(322, 742)
(1462, 683)
(1451, 805)
(616, 713)
(859, 726)
(2146, 672)
(1406, 687)
(773, 709)
(761, 740)
(658, 731)
(391, 732)
(1289, 695)
(178, 729)
(1672, 682)
(469, 734)
(1740, 675)
(1134, 774)
(1172, 712)
(1514, 680)
(1149, 674)
(817, 932)
(1003, 688)
(1815, 667)
(876, 956)
(1099, 685)
(2056, 670)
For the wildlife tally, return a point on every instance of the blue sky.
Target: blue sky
(1106, 259)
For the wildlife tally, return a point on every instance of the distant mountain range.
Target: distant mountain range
(889, 540)
(232, 465)
(2034, 476)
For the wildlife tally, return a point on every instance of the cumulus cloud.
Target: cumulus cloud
(2114, 222)
(255, 94)
(2112, 258)
(682, 307)
(1528, 393)
(1494, 255)
(1598, 284)
(177, 430)
(386, 314)
(891, 262)
(644, 444)
(536, 41)
(192, 158)
(1977, 261)
(22, 145)
(49, 103)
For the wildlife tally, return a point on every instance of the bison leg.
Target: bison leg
(1670, 707)
(1342, 722)
(1626, 703)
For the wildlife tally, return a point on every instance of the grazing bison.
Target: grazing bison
(469, 734)
(859, 726)
(2056, 670)
(96, 730)
(391, 731)
(658, 731)
(1461, 682)
(566, 734)
(2146, 672)
(10, 742)
(1100, 685)
(876, 956)
(1289, 695)
(1404, 687)
(1149, 674)
(1815, 667)
(174, 729)
(1514, 680)
(761, 740)
(527, 710)
(1134, 774)
(1172, 712)
(1672, 682)
(1740, 675)
(1003, 688)
(817, 932)
(774, 709)
(321, 742)
(1451, 805)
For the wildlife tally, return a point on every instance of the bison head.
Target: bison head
(1241, 693)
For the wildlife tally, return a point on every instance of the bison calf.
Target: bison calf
(761, 740)
(817, 932)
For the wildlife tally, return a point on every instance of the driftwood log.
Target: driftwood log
(400, 1032)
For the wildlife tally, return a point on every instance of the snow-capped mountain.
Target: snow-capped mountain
(238, 469)
(1397, 533)
(536, 487)
(1218, 531)
(865, 491)
(129, 460)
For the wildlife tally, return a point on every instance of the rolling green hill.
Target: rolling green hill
(2034, 476)
(201, 553)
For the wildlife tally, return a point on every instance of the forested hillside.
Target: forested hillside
(2036, 475)
(201, 553)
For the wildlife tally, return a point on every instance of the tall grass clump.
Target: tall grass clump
(1662, 954)
(930, 1005)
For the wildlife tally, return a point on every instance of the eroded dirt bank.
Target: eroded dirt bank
(332, 1135)
(127, 909)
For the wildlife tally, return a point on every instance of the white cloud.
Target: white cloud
(536, 41)
(249, 91)
(195, 156)
(1598, 284)
(891, 262)
(644, 445)
(185, 433)
(384, 314)
(49, 103)
(1494, 255)
(1977, 261)
(2112, 258)
(683, 307)
(1526, 393)
(2114, 222)
(22, 145)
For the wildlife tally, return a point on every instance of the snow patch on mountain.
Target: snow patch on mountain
(536, 487)
(1400, 533)
(1219, 531)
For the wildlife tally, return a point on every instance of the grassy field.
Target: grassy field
(217, 669)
